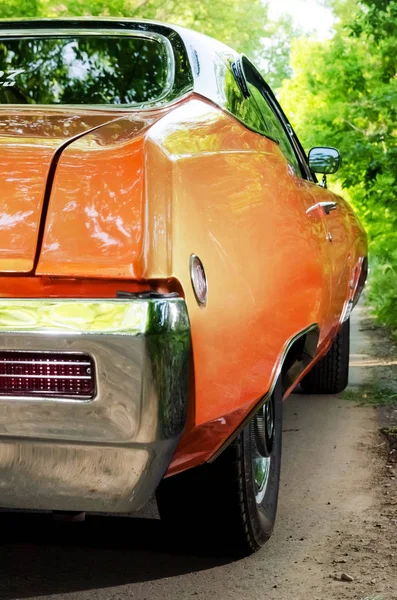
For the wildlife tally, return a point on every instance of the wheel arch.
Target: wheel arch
(297, 355)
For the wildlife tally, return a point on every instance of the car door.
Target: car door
(336, 215)
(307, 211)
(337, 221)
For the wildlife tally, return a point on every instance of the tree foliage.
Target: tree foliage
(239, 23)
(344, 93)
(242, 24)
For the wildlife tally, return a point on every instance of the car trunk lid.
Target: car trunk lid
(30, 141)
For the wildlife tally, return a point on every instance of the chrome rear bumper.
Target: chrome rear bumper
(108, 453)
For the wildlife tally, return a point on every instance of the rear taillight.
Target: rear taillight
(60, 375)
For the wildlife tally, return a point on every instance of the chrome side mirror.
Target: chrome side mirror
(324, 160)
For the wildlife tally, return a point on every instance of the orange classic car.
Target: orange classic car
(170, 270)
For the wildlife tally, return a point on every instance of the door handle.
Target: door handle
(326, 207)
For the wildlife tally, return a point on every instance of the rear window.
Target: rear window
(90, 69)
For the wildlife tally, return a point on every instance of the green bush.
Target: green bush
(344, 93)
(382, 285)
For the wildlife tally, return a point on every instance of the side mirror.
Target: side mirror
(324, 160)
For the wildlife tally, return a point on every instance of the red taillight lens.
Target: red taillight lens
(60, 375)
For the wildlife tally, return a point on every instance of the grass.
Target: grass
(376, 394)
(391, 432)
(373, 394)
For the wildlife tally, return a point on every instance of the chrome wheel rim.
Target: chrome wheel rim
(262, 440)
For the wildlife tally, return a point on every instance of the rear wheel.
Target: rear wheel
(230, 505)
(331, 374)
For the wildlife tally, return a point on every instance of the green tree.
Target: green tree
(273, 55)
(344, 93)
(239, 23)
(242, 24)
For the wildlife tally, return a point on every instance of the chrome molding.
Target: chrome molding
(62, 33)
(180, 81)
(107, 453)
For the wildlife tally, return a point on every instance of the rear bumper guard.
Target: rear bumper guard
(107, 452)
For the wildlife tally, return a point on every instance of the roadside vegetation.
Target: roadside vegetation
(343, 93)
(340, 92)
(375, 394)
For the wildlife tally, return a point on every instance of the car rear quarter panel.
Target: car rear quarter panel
(227, 194)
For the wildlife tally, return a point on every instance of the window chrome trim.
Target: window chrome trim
(65, 33)
(274, 105)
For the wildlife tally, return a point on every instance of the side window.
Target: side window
(271, 124)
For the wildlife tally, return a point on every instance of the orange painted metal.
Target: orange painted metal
(237, 205)
(271, 271)
(28, 142)
(94, 224)
(132, 200)
(63, 287)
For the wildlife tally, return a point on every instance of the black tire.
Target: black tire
(214, 507)
(331, 374)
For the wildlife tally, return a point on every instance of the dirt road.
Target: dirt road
(333, 518)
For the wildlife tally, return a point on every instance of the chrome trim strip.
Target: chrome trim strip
(183, 77)
(74, 316)
(312, 329)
